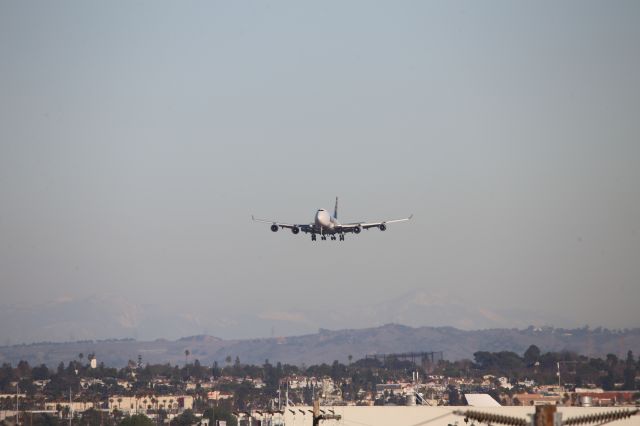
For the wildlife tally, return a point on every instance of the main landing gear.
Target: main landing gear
(324, 237)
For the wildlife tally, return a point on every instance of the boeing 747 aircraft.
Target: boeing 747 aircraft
(325, 224)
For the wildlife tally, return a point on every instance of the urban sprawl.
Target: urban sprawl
(84, 391)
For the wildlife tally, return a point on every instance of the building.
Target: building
(76, 406)
(143, 404)
(527, 399)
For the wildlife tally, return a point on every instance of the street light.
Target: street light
(18, 403)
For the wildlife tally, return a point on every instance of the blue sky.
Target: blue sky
(136, 140)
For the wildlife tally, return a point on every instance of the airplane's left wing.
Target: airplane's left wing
(275, 225)
(356, 227)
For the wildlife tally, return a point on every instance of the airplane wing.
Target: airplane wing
(292, 226)
(351, 227)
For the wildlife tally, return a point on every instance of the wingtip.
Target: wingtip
(411, 216)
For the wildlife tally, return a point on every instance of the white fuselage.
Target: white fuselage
(324, 221)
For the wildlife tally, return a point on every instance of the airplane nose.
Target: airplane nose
(323, 218)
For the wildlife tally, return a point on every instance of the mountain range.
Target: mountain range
(329, 345)
(104, 316)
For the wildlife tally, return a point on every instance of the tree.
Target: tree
(531, 355)
(220, 413)
(24, 370)
(186, 360)
(215, 370)
(40, 373)
(187, 418)
(612, 360)
(629, 373)
(137, 420)
(93, 417)
(44, 420)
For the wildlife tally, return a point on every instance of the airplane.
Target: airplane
(326, 224)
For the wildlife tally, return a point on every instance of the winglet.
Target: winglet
(410, 216)
(335, 210)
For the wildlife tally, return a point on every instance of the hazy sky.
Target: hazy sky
(137, 138)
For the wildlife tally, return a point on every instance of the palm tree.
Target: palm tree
(154, 404)
(186, 360)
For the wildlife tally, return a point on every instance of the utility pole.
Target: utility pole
(213, 413)
(286, 396)
(279, 395)
(317, 417)
(546, 415)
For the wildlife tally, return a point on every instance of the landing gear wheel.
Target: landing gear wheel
(341, 237)
(333, 238)
(313, 237)
(324, 238)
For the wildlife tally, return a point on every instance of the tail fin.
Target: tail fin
(335, 211)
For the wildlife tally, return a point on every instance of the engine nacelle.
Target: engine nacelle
(295, 230)
(274, 227)
(383, 227)
(357, 230)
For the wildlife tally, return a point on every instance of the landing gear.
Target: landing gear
(323, 237)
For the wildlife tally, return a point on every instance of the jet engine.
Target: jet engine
(357, 230)
(274, 227)
(383, 227)
(295, 230)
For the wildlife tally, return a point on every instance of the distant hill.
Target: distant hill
(328, 345)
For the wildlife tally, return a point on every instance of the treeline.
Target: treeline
(351, 378)
(610, 373)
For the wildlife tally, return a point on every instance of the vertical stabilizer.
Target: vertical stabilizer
(335, 211)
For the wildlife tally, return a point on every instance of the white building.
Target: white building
(76, 406)
(143, 404)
